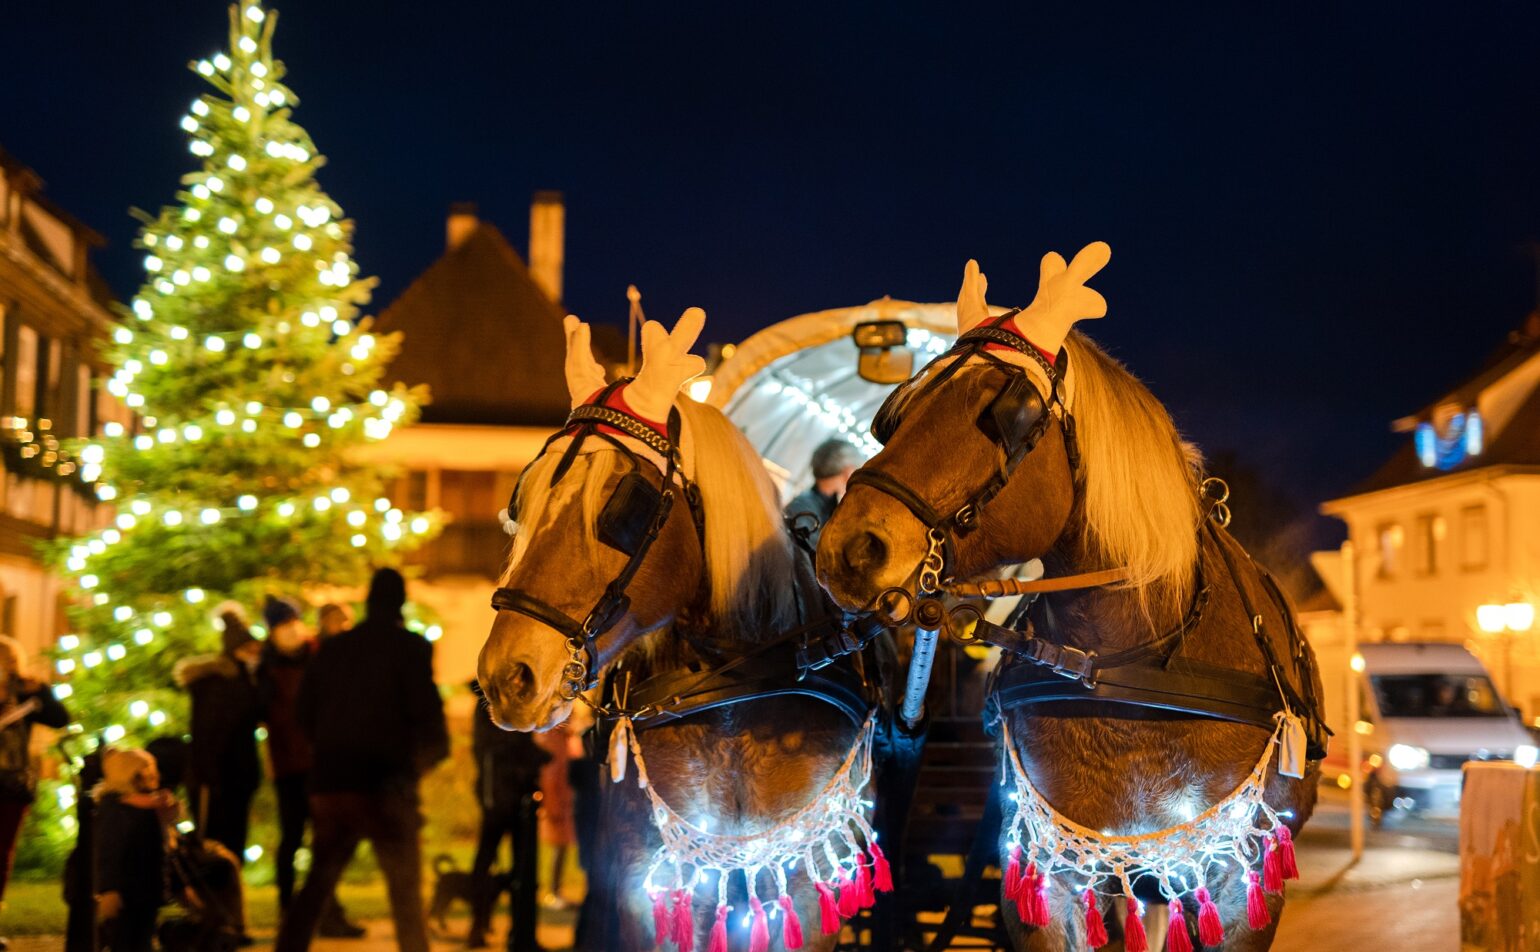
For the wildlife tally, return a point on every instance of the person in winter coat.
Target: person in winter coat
(376, 724)
(833, 462)
(508, 769)
(134, 818)
(23, 703)
(223, 772)
(285, 656)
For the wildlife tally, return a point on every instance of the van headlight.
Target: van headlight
(1407, 757)
(1525, 755)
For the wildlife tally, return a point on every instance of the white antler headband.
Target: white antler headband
(1062, 297)
(666, 365)
(584, 375)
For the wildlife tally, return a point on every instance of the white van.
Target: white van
(1430, 708)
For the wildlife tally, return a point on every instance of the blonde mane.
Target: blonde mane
(749, 561)
(1139, 479)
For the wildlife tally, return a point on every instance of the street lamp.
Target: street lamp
(1508, 619)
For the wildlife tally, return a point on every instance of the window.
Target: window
(1428, 534)
(1437, 695)
(1473, 538)
(25, 397)
(1390, 536)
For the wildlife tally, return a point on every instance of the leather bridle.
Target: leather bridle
(1018, 416)
(634, 525)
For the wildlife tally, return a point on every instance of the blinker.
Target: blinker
(629, 513)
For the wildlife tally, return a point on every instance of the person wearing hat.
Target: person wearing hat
(223, 769)
(285, 656)
(134, 817)
(833, 462)
(376, 724)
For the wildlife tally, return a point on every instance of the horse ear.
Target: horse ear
(584, 375)
(1062, 297)
(971, 309)
(666, 365)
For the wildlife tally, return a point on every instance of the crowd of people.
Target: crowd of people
(353, 720)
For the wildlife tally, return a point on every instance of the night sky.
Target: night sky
(1319, 219)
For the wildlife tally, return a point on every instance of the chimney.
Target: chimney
(547, 240)
(463, 222)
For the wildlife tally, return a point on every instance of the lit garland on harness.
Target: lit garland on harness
(830, 837)
(1241, 828)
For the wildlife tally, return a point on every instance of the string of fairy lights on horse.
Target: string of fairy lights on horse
(830, 838)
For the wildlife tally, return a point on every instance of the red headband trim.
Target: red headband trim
(1011, 325)
(617, 401)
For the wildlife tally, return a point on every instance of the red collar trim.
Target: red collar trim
(1011, 325)
(617, 401)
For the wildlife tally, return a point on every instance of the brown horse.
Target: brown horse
(726, 584)
(1087, 473)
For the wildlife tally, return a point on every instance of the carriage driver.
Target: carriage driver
(833, 462)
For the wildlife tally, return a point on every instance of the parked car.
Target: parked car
(1428, 709)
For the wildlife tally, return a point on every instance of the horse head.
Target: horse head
(606, 545)
(978, 465)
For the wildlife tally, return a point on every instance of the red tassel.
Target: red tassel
(719, 930)
(1257, 915)
(882, 873)
(828, 910)
(865, 894)
(1177, 939)
(1013, 875)
(1286, 852)
(684, 920)
(791, 932)
(1134, 938)
(759, 927)
(1095, 928)
(1037, 901)
(850, 902)
(662, 922)
(1272, 866)
(1210, 930)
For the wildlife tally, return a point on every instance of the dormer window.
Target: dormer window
(1450, 438)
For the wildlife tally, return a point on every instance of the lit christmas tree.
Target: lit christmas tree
(252, 382)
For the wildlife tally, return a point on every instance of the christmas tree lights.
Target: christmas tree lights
(251, 379)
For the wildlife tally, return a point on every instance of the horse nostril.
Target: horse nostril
(519, 683)
(865, 552)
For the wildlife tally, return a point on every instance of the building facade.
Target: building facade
(484, 331)
(1452, 521)
(54, 309)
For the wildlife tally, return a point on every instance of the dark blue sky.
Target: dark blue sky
(1318, 218)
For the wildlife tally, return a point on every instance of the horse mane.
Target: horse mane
(1138, 478)
(749, 563)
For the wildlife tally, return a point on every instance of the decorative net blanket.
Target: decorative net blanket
(830, 838)
(1043, 844)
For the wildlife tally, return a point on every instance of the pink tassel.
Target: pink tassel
(719, 929)
(850, 902)
(1272, 866)
(759, 927)
(1134, 938)
(1210, 930)
(865, 895)
(1038, 900)
(1177, 939)
(1095, 928)
(1286, 853)
(1257, 915)
(662, 922)
(684, 920)
(828, 910)
(882, 873)
(1013, 875)
(791, 932)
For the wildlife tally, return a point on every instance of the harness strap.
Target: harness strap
(1007, 587)
(1190, 687)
